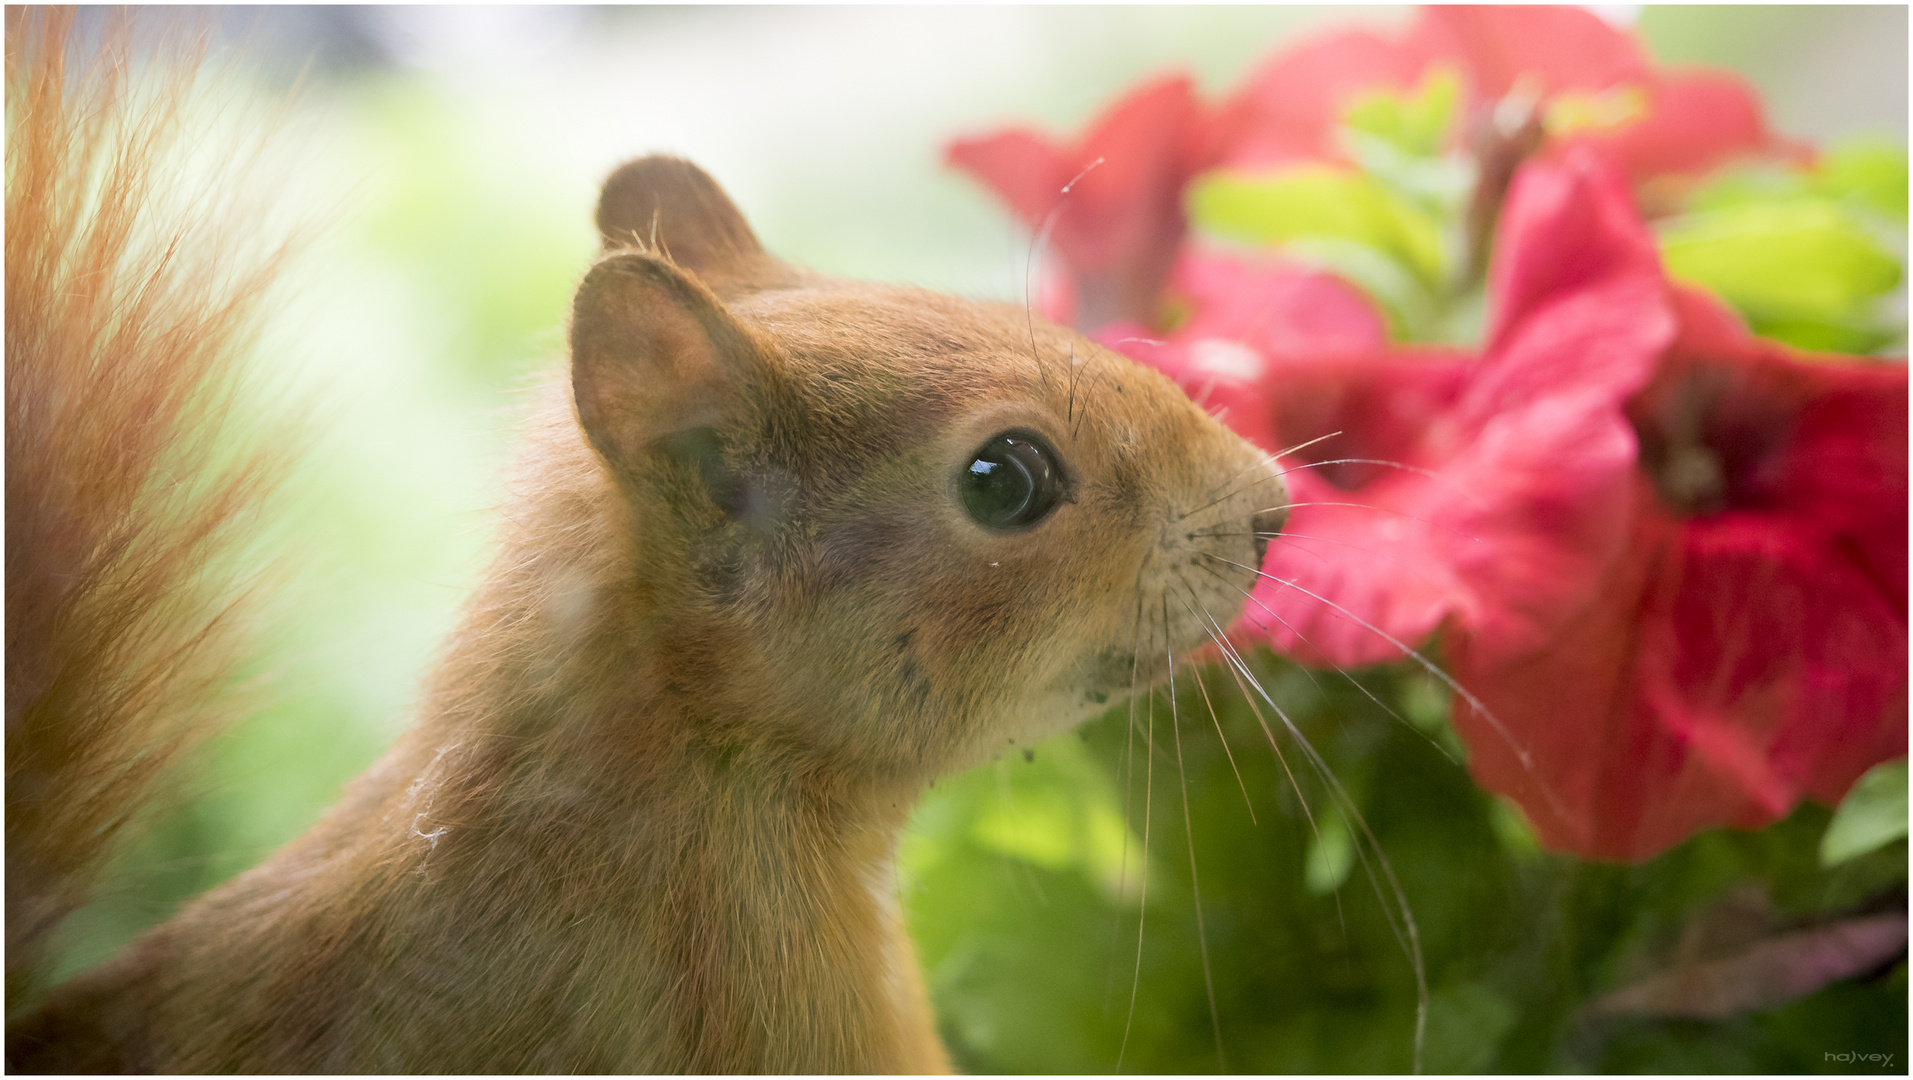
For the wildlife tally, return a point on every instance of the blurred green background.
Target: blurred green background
(451, 158)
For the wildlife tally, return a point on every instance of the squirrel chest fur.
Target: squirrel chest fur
(781, 550)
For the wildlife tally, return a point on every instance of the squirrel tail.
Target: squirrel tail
(128, 309)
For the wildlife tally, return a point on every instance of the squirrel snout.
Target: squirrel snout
(1263, 526)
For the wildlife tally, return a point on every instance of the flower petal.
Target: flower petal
(1362, 537)
(1288, 108)
(1559, 48)
(1699, 120)
(1281, 309)
(1349, 585)
(1521, 490)
(1111, 201)
(1566, 228)
(1025, 169)
(1734, 659)
(1503, 484)
(1245, 317)
(1720, 674)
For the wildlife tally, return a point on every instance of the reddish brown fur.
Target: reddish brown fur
(738, 617)
(121, 342)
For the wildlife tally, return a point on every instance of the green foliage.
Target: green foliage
(1415, 124)
(1331, 852)
(1350, 222)
(1811, 256)
(1807, 256)
(1871, 816)
(1033, 954)
(1869, 174)
(1390, 222)
(1801, 271)
(1318, 202)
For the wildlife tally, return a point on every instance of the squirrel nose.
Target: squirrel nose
(1264, 525)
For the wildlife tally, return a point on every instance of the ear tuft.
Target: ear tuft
(665, 203)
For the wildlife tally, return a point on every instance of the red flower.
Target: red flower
(1243, 315)
(1673, 565)
(1510, 480)
(1118, 224)
(1289, 107)
(1698, 120)
(1748, 647)
(1686, 122)
(1558, 48)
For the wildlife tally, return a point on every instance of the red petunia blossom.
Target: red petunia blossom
(1748, 647)
(1243, 315)
(1509, 474)
(1558, 48)
(1689, 121)
(1117, 227)
(1671, 558)
(1289, 108)
(1118, 224)
(1698, 121)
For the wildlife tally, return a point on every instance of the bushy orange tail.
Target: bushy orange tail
(127, 308)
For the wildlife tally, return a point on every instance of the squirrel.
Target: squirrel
(780, 550)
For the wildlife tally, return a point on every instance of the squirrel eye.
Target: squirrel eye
(1014, 481)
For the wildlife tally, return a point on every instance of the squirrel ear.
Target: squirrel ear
(667, 203)
(656, 361)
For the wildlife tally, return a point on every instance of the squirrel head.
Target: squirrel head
(892, 528)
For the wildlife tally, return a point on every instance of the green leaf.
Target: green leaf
(1808, 256)
(1871, 816)
(1868, 172)
(1331, 854)
(1798, 261)
(1415, 122)
(1425, 702)
(1466, 1023)
(1756, 183)
(1868, 175)
(1438, 186)
(1511, 828)
(1050, 807)
(1862, 335)
(1318, 202)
